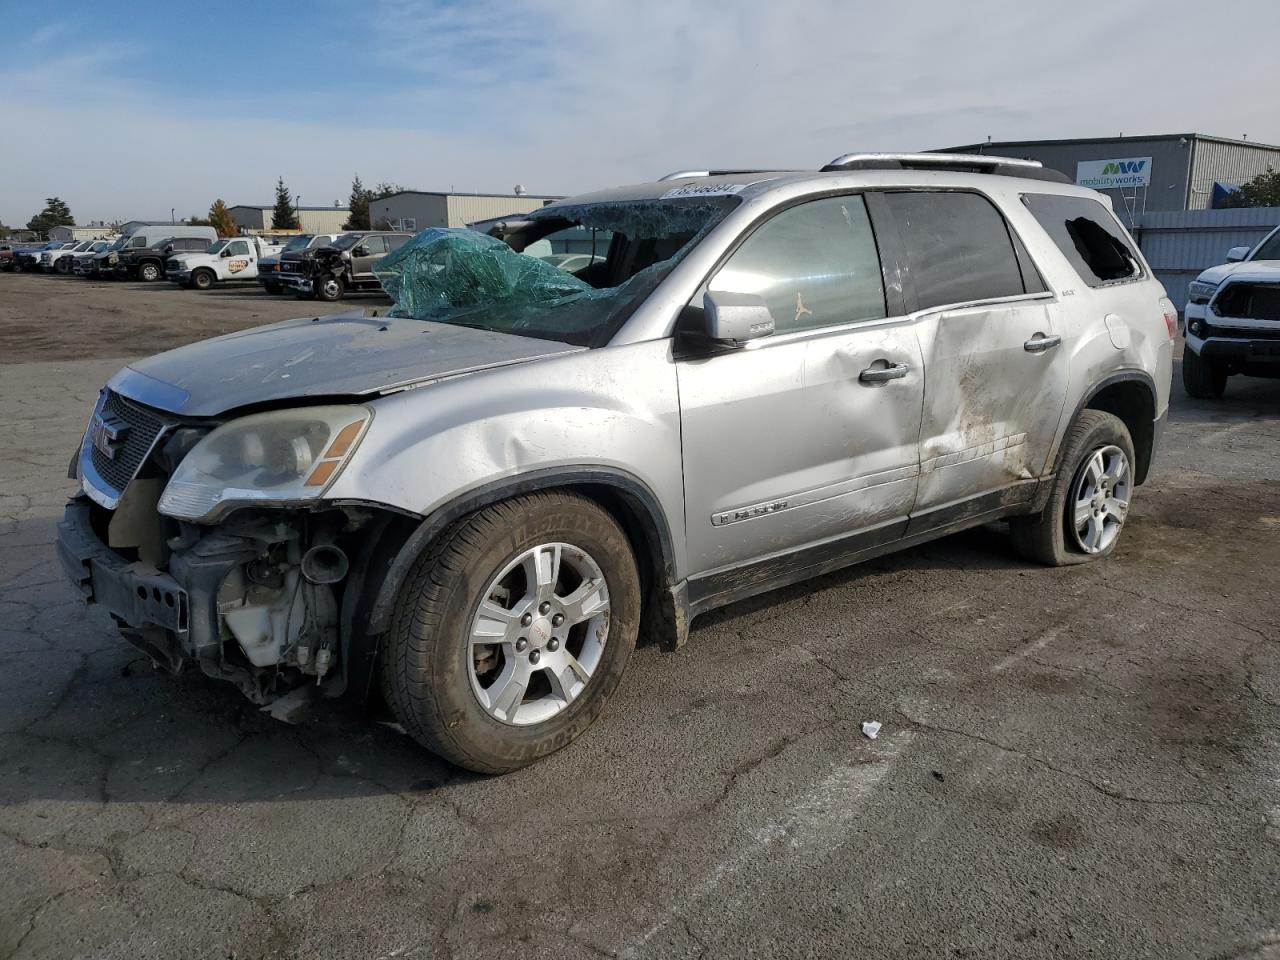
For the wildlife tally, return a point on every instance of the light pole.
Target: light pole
(171, 220)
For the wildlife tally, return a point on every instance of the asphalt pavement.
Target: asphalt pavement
(1073, 762)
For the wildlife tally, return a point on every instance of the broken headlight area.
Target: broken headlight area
(281, 456)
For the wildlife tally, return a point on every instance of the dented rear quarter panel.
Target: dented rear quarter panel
(615, 408)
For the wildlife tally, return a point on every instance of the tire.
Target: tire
(1203, 379)
(1050, 537)
(329, 289)
(202, 279)
(148, 273)
(431, 674)
(61, 266)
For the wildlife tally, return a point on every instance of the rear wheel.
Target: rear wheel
(202, 279)
(149, 273)
(512, 631)
(1091, 495)
(1203, 379)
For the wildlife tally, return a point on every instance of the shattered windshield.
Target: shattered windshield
(501, 282)
(300, 242)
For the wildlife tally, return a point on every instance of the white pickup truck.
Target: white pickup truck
(235, 258)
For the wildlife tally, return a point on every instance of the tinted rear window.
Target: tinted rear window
(958, 248)
(1088, 235)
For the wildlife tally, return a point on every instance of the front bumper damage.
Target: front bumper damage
(233, 600)
(296, 282)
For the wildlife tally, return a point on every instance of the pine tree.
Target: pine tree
(285, 215)
(358, 218)
(56, 213)
(221, 220)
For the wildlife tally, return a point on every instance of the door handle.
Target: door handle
(1040, 343)
(894, 371)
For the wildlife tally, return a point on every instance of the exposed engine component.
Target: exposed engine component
(325, 564)
(281, 610)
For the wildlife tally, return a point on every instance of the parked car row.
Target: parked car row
(322, 266)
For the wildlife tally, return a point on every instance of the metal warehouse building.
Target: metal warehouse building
(91, 232)
(415, 210)
(311, 219)
(1177, 171)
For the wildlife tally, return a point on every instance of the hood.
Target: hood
(1251, 271)
(346, 354)
(1222, 271)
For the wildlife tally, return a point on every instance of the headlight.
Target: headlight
(1200, 292)
(277, 457)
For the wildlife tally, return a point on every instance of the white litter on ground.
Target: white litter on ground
(870, 729)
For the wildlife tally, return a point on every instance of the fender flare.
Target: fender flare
(642, 500)
(1122, 376)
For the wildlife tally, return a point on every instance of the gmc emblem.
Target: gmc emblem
(107, 435)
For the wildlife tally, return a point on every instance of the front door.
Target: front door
(810, 436)
(997, 379)
(367, 252)
(242, 260)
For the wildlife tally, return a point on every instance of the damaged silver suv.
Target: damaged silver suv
(473, 507)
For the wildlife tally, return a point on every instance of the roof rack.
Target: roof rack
(967, 162)
(681, 174)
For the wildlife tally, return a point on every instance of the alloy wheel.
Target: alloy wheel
(538, 634)
(1100, 498)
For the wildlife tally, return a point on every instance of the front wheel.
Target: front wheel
(148, 273)
(512, 631)
(1090, 499)
(202, 279)
(328, 289)
(1203, 379)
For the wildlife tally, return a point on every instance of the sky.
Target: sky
(129, 111)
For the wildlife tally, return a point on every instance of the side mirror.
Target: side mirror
(360, 251)
(225, 252)
(732, 319)
(1236, 254)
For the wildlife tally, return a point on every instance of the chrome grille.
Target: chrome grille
(141, 426)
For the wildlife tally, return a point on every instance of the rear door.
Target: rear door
(991, 341)
(788, 443)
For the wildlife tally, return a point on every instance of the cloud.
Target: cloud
(570, 97)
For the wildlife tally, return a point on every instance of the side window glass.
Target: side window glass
(958, 247)
(816, 265)
(376, 246)
(395, 243)
(138, 242)
(1088, 235)
(238, 248)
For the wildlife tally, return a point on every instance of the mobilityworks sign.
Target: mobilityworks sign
(1113, 174)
